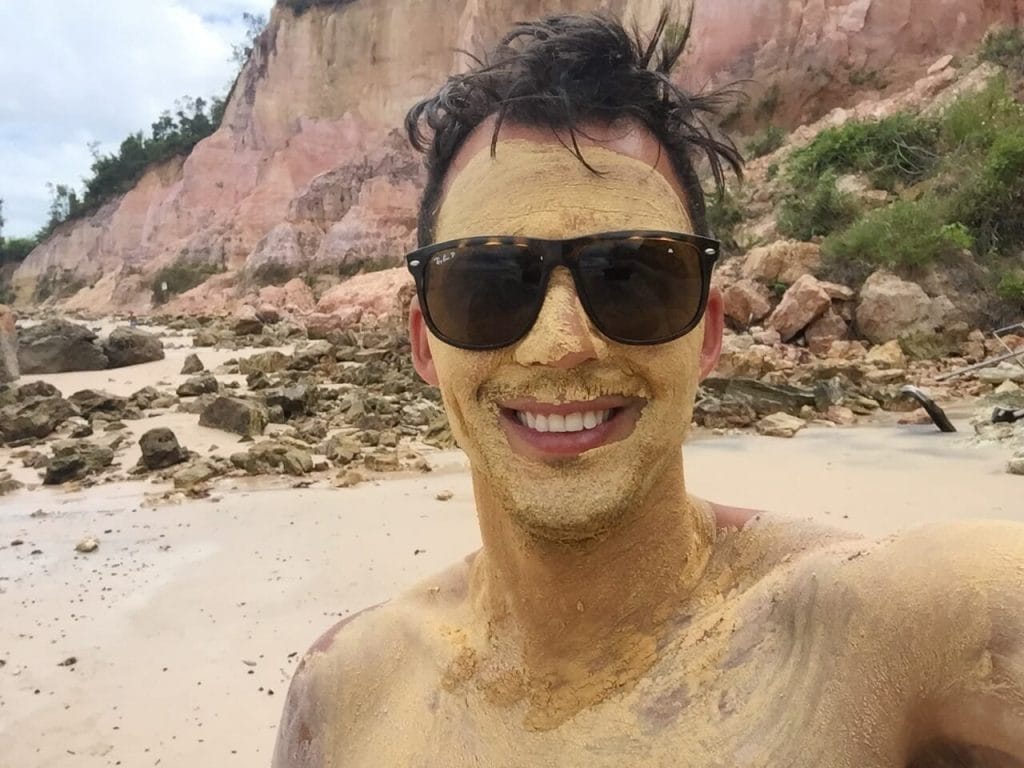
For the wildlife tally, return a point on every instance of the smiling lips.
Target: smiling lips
(566, 429)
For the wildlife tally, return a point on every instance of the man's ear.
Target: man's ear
(714, 321)
(422, 360)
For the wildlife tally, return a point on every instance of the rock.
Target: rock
(889, 355)
(1016, 465)
(268, 314)
(233, 414)
(270, 361)
(245, 322)
(160, 449)
(385, 461)
(87, 545)
(35, 418)
(940, 64)
(785, 261)
(841, 415)
(271, 456)
(746, 302)
(35, 389)
(309, 355)
(192, 365)
(197, 404)
(90, 402)
(79, 427)
(762, 398)
(340, 449)
(1001, 373)
(347, 478)
(1007, 388)
(804, 302)
(296, 400)
(779, 425)
(823, 332)
(768, 337)
(891, 308)
(837, 292)
(257, 380)
(444, 495)
(713, 413)
(75, 460)
(202, 384)
(208, 337)
(9, 368)
(197, 473)
(56, 346)
(8, 484)
(131, 346)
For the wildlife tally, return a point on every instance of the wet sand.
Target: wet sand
(187, 622)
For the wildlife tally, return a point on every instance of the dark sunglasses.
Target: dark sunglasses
(636, 287)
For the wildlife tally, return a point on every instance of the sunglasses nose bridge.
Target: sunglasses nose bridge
(562, 335)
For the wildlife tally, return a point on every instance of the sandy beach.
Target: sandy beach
(186, 623)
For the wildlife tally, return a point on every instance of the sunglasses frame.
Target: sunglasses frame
(563, 253)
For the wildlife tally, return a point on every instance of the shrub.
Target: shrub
(901, 148)
(766, 141)
(973, 122)
(1005, 47)
(724, 215)
(817, 212)
(1011, 286)
(180, 276)
(991, 199)
(906, 234)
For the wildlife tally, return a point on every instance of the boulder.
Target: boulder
(34, 418)
(197, 473)
(888, 355)
(821, 334)
(233, 414)
(762, 398)
(746, 302)
(779, 425)
(270, 361)
(803, 303)
(892, 308)
(295, 400)
(160, 449)
(192, 365)
(246, 322)
(76, 459)
(8, 484)
(311, 354)
(272, 456)
(131, 346)
(9, 369)
(56, 346)
(94, 401)
(784, 261)
(268, 314)
(1002, 373)
(322, 325)
(202, 384)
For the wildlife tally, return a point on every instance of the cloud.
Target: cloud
(76, 72)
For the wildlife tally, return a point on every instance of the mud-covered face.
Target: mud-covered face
(566, 430)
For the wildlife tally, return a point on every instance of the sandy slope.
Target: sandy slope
(188, 616)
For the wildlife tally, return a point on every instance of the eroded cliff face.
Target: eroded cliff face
(308, 172)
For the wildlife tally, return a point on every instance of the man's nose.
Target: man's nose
(563, 336)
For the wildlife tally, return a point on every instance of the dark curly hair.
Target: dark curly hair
(563, 72)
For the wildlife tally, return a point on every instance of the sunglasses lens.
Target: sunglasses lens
(483, 295)
(642, 289)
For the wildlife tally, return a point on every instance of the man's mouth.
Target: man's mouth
(548, 430)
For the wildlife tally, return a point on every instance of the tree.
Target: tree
(254, 24)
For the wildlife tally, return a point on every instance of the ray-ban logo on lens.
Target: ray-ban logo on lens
(442, 258)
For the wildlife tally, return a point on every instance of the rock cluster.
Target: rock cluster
(57, 346)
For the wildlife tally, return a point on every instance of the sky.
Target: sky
(73, 72)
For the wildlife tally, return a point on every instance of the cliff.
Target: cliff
(307, 171)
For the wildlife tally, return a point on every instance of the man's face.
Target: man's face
(567, 430)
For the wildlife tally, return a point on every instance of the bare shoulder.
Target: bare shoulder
(355, 669)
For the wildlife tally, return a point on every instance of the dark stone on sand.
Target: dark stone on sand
(132, 346)
(160, 449)
(56, 346)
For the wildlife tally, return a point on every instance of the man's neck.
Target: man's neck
(585, 618)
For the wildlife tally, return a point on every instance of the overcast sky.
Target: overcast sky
(77, 71)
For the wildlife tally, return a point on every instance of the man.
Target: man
(610, 619)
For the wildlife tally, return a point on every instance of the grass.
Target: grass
(818, 211)
(1005, 47)
(766, 141)
(901, 149)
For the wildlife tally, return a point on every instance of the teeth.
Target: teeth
(570, 422)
